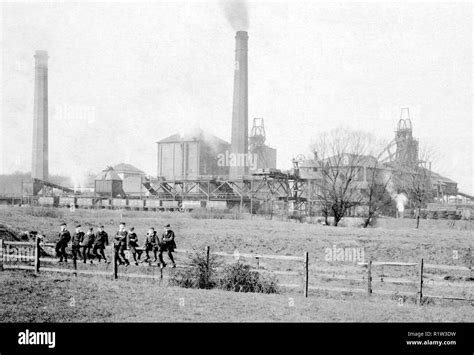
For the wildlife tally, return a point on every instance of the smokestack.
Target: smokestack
(240, 122)
(40, 118)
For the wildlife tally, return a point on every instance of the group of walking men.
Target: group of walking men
(84, 243)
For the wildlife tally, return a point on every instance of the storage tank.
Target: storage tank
(108, 183)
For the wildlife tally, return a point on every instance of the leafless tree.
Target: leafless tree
(377, 196)
(341, 157)
(415, 179)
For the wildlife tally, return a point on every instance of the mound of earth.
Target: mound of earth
(10, 234)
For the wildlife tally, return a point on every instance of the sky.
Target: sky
(125, 75)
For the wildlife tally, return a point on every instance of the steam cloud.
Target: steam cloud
(400, 198)
(236, 13)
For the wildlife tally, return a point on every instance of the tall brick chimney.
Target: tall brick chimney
(240, 122)
(39, 168)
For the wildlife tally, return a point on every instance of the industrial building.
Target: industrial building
(201, 170)
(191, 157)
(202, 155)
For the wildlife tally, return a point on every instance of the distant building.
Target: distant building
(109, 184)
(131, 177)
(192, 156)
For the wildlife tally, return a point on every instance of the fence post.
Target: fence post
(37, 256)
(74, 264)
(369, 278)
(208, 252)
(306, 273)
(420, 299)
(258, 262)
(1, 254)
(114, 257)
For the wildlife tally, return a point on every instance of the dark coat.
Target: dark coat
(64, 237)
(167, 242)
(120, 239)
(102, 238)
(132, 240)
(77, 238)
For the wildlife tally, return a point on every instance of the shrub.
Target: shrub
(240, 278)
(196, 273)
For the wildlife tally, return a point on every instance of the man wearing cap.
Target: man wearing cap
(63, 239)
(151, 243)
(77, 239)
(133, 245)
(101, 240)
(87, 244)
(120, 244)
(168, 244)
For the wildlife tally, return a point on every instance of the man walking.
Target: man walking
(87, 245)
(120, 244)
(168, 244)
(133, 245)
(77, 239)
(151, 243)
(101, 240)
(63, 240)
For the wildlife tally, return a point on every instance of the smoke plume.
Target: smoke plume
(236, 13)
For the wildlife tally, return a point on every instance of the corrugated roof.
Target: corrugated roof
(108, 174)
(199, 135)
(128, 168)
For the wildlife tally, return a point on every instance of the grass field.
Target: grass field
(389, 240)
(50, 298)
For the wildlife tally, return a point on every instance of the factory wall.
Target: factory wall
(266, 158)
(189, 160)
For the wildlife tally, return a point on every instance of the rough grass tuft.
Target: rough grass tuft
(237, 277)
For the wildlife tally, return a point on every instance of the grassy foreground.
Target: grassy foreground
(56, 298)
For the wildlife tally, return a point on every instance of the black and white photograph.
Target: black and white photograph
(236, 161)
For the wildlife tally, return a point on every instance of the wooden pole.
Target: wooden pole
(74, 264)
(114, 257)
(420, 299)
(369, 278)
(37, 255)
(258, 262)
(306, 273)
(1, 254)
(208, 253)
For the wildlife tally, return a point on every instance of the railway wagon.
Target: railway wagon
(67, 202)
(85, 202)
(119, 203)
(216, 205)
(169, 205)
(105, 203)
(48, 201)
(188, 205)
(136, 204)
(152, 204)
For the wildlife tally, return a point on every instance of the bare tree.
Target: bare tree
(415, 179)
(341, 155)
(377, 196)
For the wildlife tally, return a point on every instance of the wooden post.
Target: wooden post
(114, 257)
(258, 262)
(306, 273)
(420, 295)
(37, 255)
(1, 254)
(74, 264)
(369, 278)
(208, 252)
